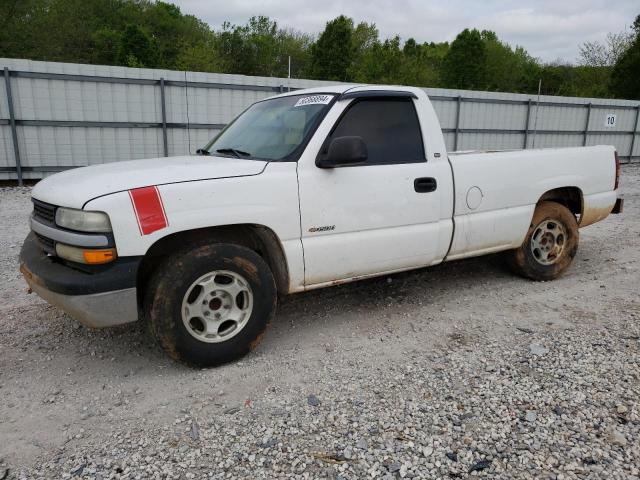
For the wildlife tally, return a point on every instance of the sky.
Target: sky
(547, 29)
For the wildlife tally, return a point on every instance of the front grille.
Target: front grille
(44, 211)
(47, 244)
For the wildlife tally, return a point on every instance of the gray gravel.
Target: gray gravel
(457, 371)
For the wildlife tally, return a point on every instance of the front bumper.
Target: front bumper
(97, 299)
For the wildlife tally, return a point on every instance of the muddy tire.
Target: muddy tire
(210, 304)
(550, 244)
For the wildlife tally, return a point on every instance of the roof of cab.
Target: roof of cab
(353, 88)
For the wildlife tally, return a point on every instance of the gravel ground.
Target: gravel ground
(457, 371)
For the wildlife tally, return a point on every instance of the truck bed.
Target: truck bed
(496, 192)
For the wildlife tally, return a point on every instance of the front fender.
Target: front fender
(269, 199)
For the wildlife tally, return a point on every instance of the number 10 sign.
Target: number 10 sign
(610, 121)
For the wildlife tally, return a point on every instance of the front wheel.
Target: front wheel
(550, 244)
(211, 304)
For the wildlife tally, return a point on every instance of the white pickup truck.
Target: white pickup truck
(303, 190)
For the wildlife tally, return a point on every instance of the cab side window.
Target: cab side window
(388, 126)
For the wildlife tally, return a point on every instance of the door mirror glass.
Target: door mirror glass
(344, 151)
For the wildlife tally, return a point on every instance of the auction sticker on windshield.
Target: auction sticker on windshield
(314, 100)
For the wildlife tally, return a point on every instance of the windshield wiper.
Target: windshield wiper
(235, 151)
(203, 151)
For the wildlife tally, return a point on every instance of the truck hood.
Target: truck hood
(74, 188)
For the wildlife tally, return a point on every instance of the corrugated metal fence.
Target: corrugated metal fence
(55, 116)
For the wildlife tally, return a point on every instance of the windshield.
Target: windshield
(275, 129)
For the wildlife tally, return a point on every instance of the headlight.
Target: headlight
(82, 220)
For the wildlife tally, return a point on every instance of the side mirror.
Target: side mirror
(343, 151)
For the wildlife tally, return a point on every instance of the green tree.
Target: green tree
(422, 63)
(165, 28)
(91, 31)
(380, 63)
(261, 44)
(105, 46)
(261, 48)
(333, 53)
(56, 30)
(464, 65)
(296, 45)
(363, 38)
(155, 33)
(562, 78)
(625, 77)
(137, 49)
(200, 57)
(506, 69)
(607, 53)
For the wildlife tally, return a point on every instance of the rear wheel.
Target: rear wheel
(211, 304)
(550, 244)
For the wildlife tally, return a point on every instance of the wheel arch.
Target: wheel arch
(259, 238)
(570, 197)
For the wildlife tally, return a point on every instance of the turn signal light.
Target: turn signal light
(97, 257)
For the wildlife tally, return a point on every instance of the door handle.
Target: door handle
(425, 184)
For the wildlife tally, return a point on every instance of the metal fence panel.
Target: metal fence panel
(623, 142)
(4, 108)
(69, 115)
(6, 152)
(487, 141)
(561, 118)
(625, 120)
(446, 111)
(45, 146)
(548, 140)
(492, 116)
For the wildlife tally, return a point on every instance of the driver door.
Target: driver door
(372, 218)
